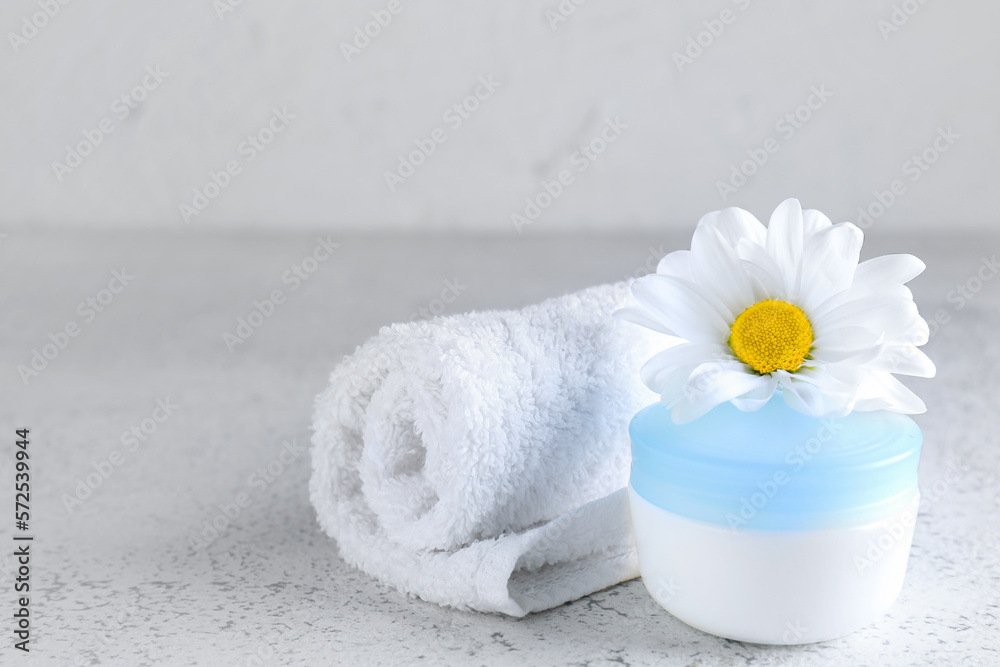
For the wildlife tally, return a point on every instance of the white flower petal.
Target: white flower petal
(904, 359)
(889, 269)
(672, 384)
(713, 383)
(918, 333)
(733, 225)
(642, 318)
(817, 396)
(677, 263)
(757, 398)
(657, 370)
(830, 258)
(885, 314)
(683, 307)
(846, 338)
(856, 293)
(830, 356)
(803, 397)
(840, 379)
(881, 391)
(814, 222)
(784, 242)
(763, 269)
(758, 288)
(718, 268)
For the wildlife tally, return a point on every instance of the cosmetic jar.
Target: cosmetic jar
(772, 526)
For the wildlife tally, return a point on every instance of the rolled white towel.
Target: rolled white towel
(479, 460)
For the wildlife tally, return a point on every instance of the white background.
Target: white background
(686, 126)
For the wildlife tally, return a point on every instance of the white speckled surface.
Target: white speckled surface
(117, 582)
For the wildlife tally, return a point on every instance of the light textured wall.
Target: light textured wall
(682, 126)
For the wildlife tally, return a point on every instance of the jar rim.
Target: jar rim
(776, 468)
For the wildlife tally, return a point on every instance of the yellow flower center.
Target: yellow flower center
(771, 334)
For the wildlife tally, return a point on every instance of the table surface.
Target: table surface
(131, 575)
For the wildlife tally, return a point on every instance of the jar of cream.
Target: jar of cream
(772, 526)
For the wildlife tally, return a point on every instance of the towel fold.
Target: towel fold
(479, 460)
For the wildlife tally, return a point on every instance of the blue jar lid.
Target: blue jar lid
(776, 469)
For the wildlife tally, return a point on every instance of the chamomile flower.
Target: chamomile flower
(752, 310)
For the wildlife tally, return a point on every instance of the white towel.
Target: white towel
(479, 460)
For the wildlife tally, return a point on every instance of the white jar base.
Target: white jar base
(767, 586)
